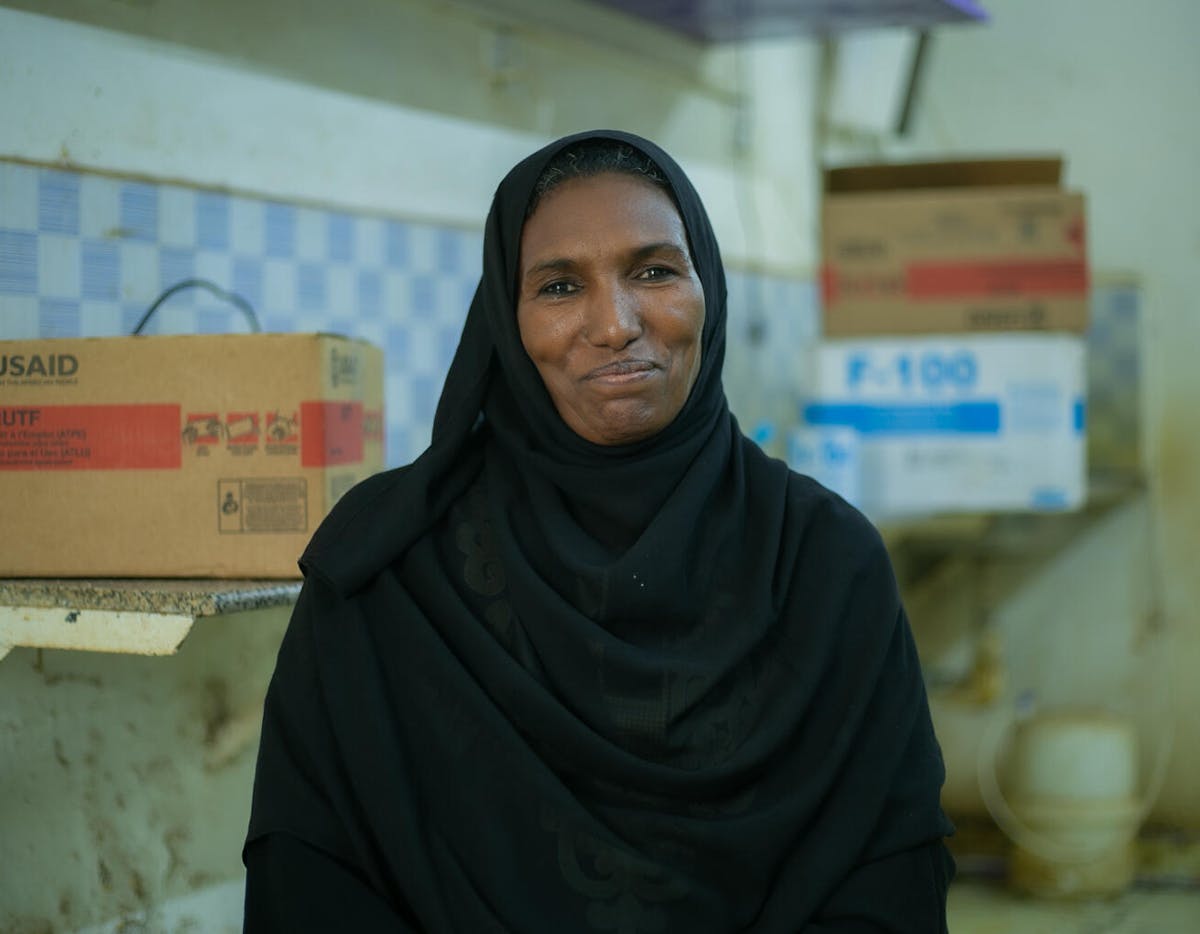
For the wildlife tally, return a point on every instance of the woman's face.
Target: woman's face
(609, 307)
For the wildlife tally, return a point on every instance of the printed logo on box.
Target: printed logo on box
(344, 368)
(929, 372)
(39, 369)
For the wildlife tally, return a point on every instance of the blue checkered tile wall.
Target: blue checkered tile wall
(84, 255)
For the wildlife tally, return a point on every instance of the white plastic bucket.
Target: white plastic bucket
(1074, 754)
(1074, 811)
(1093, 846)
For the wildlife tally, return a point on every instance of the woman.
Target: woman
(594, 662)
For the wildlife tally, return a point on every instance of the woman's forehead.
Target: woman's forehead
(603, 210)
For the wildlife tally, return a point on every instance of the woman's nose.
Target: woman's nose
(614, 317)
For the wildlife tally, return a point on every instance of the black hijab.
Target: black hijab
(538, 684)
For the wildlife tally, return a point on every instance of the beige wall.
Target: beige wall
(125, 780)
(1112, 87)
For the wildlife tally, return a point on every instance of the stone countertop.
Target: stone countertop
(142, 617)
(193, 597)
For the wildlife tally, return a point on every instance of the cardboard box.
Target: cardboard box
(953, 424)
(831, 455)
(952, 246)
(180, 456)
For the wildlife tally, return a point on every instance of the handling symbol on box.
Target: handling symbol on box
(202, 429)
(229, 506)
(242, 428)
(282, 429)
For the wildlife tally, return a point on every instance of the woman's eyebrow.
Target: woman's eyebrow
(663, 246)
(550, 265)
(646, 250)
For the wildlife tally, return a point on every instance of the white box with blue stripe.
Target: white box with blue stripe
(957, 423)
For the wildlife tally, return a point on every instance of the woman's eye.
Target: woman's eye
(654, 273)
(558, 289)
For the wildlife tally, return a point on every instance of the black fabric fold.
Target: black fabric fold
(539, 684)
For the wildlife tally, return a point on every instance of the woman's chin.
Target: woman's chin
(625, 422)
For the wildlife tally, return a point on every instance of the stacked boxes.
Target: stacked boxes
(180, 456)
(954, 299)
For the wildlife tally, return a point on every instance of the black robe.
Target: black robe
(536, 684)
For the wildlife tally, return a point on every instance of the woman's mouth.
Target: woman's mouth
(622, 371)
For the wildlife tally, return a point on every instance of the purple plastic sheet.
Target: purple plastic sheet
(723, 20)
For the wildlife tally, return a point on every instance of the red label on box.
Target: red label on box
(331, 433)
(991, 278)
(90, 437)
(829, 284)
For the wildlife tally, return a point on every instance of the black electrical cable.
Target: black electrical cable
(232, 297)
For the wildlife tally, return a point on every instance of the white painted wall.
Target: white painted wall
(104, 100)
(179, 96)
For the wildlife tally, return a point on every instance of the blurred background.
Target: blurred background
(332, 165)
